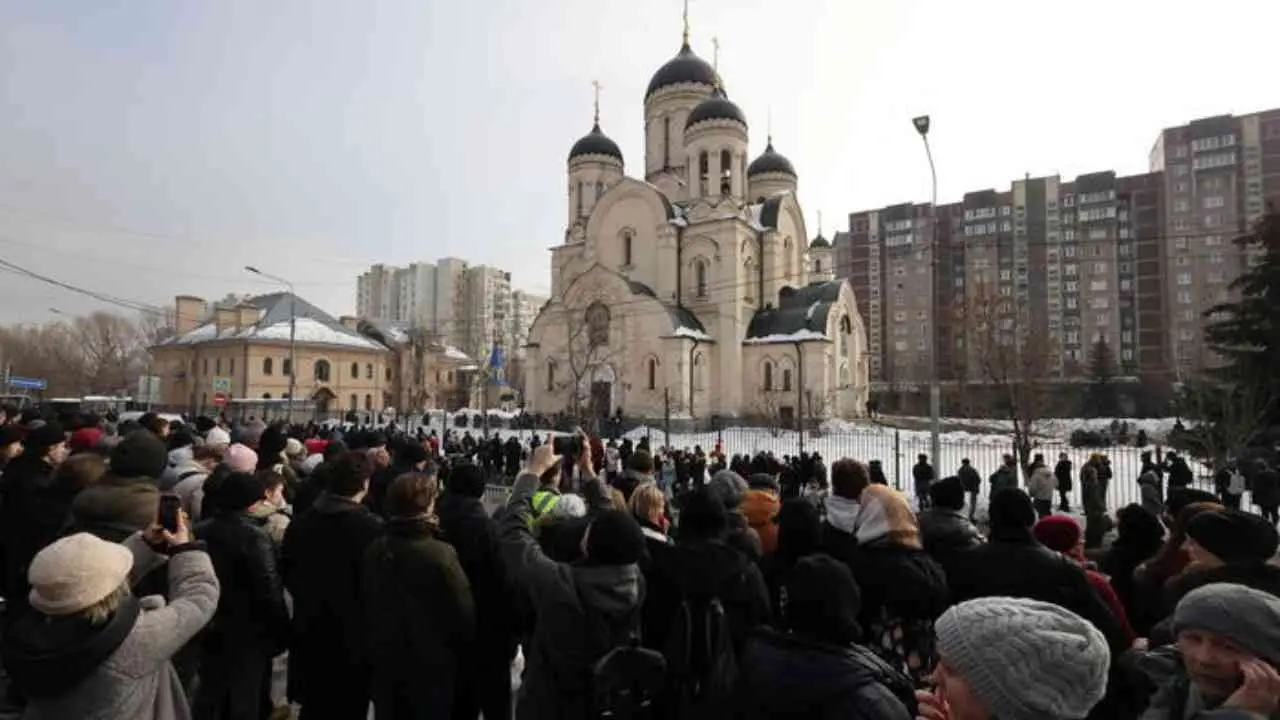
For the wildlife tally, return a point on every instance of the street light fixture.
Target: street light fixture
(293, 334)
(921, 125)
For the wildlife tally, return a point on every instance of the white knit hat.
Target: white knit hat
(217, 436)
(1025, 658)
(76, 572)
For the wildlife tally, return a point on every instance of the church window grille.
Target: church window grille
(786, 380)
(597, 318)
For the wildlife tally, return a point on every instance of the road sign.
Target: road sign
(222, 385)
(27, 383)
(220, 399)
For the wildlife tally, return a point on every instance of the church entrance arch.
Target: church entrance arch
(323, 398)
(602, 382)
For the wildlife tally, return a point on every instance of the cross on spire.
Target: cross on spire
(595, 84)
(715, 54)
(686, 22)
(819, 223)
(769, 127)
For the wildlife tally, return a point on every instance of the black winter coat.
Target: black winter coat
(474, 536)
(1062, 471)
(785, 676)
(251, 607)
(30, 518)
(322, 558)
(943, 531)
(969, 478)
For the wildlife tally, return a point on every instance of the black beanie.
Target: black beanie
(239, 491)
(1234, 536)
(1011, 509)
(410, 453)
(44, 437)
(270, 445)
(615, 539)
(466, 480)
(139, 455)
(823, 600)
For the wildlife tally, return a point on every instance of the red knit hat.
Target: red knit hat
(84, 439)
(1060, 533)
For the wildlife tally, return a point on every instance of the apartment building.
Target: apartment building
(1219, 173)
(1045, 261)
(467, 306)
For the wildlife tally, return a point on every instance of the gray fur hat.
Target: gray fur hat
(730, 487)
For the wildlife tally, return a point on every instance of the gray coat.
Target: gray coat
(137, 681)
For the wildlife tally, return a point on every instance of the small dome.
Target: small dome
(685, 67)
(595, 143)
(820, 243)
(769, 162)
(716, 107)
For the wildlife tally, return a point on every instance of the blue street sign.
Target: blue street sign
(26, 383)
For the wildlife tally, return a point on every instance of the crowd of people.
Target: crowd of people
(169, 571)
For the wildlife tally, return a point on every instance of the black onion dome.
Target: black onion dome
(820, 242)
(716, 107)
(770, 162)
(595, 143)
(685, 67)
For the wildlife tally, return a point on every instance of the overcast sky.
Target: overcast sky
(152, 147)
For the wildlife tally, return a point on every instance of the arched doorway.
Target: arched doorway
(600, 384)
(323, 399)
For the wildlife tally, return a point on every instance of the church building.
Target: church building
(692, 289)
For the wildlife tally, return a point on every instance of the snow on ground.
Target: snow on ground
(1156, 428)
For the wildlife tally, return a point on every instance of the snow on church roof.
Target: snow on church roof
(797, 336)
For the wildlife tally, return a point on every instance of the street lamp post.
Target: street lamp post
(921, 124)
(293, 334)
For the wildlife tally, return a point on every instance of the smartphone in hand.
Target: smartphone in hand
(170, 515)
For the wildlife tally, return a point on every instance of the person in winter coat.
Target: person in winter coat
(190, 474)
(799, 536)
(731, 489)
(1180, 475)
(272, 510)
(28, 507)
(1266, 491)
(1014, 564)
(903, 589)
(1062, 472)
(1226, 660)
(639, 470)
(251, 624)
(1040, 486)
(1138, 538)
(604, 590)
(1005, 476)
(486, 687)
(944, 529)
(126, 499)
(876, 471)
(1062, 534)
(419, 613)
(91, 649)
(923, 475)
(760, 507)
(990, 648)
(972, 482)
(1230, 546)
(815, 669)
(322, 560)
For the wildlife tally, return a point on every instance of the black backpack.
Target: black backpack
(627, 680)
(702, 663)
(889, 677)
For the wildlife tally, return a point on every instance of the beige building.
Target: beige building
(428, 374)
(695, 288)
(241, 355)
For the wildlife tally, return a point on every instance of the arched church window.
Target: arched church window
(817, 266)
(599, 191)
(704, 171)
(726, 172)
(666, 143)
(700, 278)
(597, 318)
(653, 373)
(322, 370)
(768, 375)
(786, 380)
(579, 199)
(626, 248)
(697, 371)
(551, 376)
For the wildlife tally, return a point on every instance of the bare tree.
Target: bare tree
(590, 343)
(768, 406)
(1014, 358)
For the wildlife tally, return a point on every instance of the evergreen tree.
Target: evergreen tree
(1237, 396)
(1100, 400)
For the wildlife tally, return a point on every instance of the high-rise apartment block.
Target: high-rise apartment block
(468, 306)
(1134, 260)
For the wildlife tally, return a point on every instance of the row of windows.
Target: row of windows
(323, 370)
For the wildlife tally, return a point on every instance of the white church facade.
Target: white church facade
(693, 290)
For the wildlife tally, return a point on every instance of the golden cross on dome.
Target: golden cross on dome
(769, 126)
(686, 22)
(595, 84)
(715, 54)
(819, 223)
